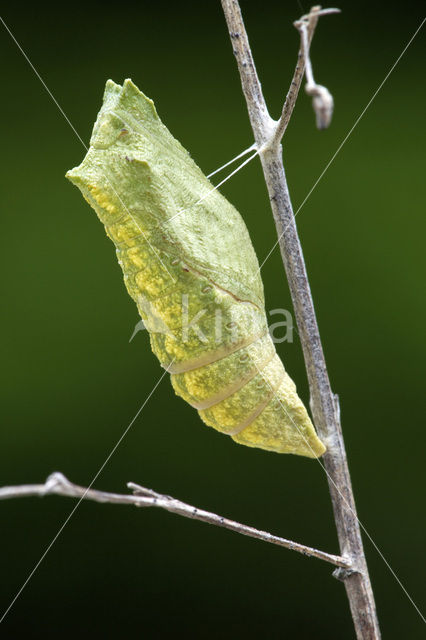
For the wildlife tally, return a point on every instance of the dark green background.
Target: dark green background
(71, 382)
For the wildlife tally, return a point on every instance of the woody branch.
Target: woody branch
(324, 403)
(58, 484)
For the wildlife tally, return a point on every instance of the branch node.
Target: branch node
(138, 490)
(341, 573)
(55, 481)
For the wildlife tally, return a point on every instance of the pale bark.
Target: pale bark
(58, 484)
(324, 404)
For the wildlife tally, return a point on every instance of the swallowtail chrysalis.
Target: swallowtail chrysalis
(189, 264)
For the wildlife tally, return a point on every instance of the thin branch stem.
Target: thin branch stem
(306, 27)
(256, 105)
(296, 81)
(58, 484)
(324, 404)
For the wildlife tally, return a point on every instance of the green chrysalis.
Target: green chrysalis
(190, 266)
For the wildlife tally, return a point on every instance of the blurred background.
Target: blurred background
(71, 382)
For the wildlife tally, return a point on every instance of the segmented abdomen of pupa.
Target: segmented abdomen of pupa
(189, 264)
(249, 396)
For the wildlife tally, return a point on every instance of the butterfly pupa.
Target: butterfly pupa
(189, 264)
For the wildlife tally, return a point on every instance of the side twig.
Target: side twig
(324, 404)
(58, 484)
(295, 84)
(306, 27)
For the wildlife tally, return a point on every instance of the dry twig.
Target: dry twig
(58, 484)
(324, 404)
